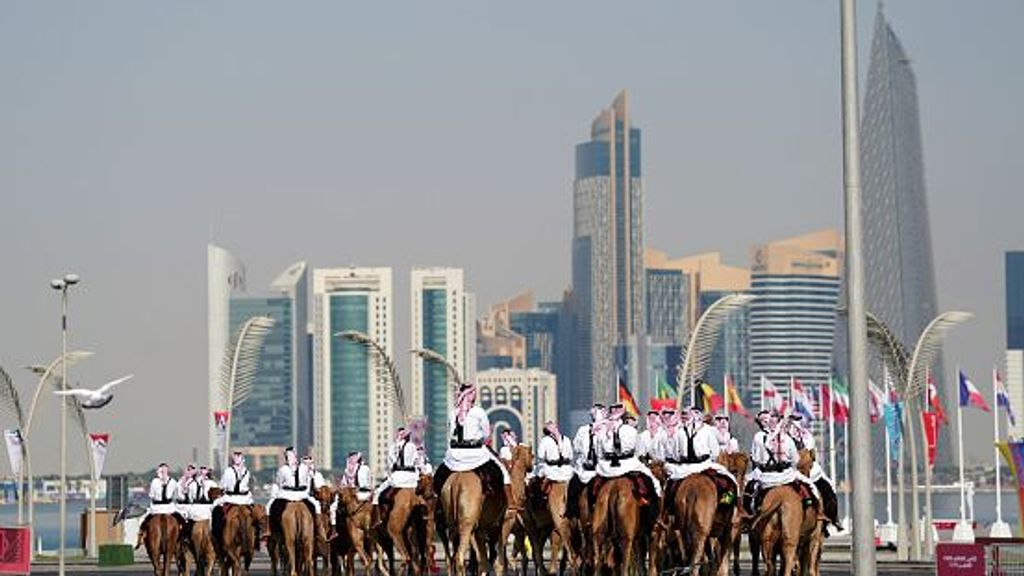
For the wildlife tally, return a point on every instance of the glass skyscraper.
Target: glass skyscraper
(353, 407)
(607, 252)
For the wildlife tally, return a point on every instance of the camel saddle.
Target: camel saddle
(643, 491)
(724, 485)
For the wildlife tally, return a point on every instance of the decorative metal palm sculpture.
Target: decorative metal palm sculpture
(428, 355)
(241, 361)
(704, 337)
(385, 366)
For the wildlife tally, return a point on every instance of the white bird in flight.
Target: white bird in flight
(92, 399)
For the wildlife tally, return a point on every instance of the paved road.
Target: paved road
(829, 568)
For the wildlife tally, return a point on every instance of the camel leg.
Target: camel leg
(598, 520)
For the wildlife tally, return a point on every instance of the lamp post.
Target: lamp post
(62, 285)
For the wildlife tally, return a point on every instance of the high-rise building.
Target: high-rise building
(667, 306)
(607, 252)
(277, 412)
(498, 345)
(518, 400)
(443, 320)
(1015, 334)
(899, 277)
(539, 328)
(707, 280)
(225, 277)
(793, 316)
(353, 410)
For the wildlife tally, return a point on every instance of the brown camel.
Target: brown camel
(519, 466)
(616, 521)
(736, 464)
(785, 527)
(545, 519)
(162, 531)
(324, 495)
(296, 537)
(404, 527)
(198, 548)
(238, 538)
(354, 524)
(470, 520)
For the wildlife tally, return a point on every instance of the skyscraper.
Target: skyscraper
(352, 407)
(899, 274)
(225, 277)
(278, 411)
(793, 317)
(1015, 334)
(443, 320)
(607, 251)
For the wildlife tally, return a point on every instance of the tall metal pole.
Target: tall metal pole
(63, 427)
(860, 422)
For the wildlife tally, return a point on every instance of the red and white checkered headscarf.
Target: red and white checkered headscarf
(464, 401)
(355, 459)
(551, 427)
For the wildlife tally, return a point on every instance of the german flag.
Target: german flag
(628, 402)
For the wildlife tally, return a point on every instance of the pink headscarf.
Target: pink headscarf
(464, 401)
(612, 420)
(670, 420)
(189, 472)
(238, 460)
(508, 438)
(417, 429)
(290, 458)
(722, 423)
(401, 434)
(204, 472)
(352, 464)
(551, 427)
(653, 422)
(163, 472)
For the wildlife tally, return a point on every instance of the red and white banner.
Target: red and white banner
(14, 450)
(220, 424)
(15, 551)
(930, 421)
(99, 443)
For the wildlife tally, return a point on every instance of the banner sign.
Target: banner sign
(15, 450)
(99, 444)
(930, 422)
(220, 423)
(15, 551)
(959, 559)
(893, 422)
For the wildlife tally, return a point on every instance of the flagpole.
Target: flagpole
(999, 529)
(846, 468)
(963, 532)
(929, 524)
(831, 433)
(888, 452)
(762, 391)
(725, 393)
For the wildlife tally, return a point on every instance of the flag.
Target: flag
(840, 401)
(969, 394)
(732, 398)
(665, 390)
(877, 400)
(99, 443)
(771, 399)
(15, 450)
(802, 403)
(934, 402)
(628, 402)
(220, 424)
(1003, 398)
(930, 422)
(893, 417)
(712, 400)
(666, 397)
(826, 402)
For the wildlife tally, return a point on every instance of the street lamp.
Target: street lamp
(62, 285)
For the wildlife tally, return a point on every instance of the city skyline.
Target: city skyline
(125, 179)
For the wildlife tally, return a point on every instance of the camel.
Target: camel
(545, 519)
(616, 519)
(736, 464)
(785, 527)
(198, 547)
(162, 532)
(470, 520)
(519, 466)
(404, 527)
(295, 535)
(354, 522)
(238, 537)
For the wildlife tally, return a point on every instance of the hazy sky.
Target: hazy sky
(442, 133)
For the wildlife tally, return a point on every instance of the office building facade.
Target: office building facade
(517, 399)
(353, 406)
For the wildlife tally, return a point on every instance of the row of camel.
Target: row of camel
(613, 532)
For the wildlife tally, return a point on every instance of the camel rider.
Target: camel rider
(509, 441)
(727, 443)
(584, 462)
(775, 457)
(235, 482)
(163, 493)
(469, 431)
(804, 440)
(616, 446)
(696, 450)
(357, 475)
(645, 443)
(554, 454)
(187, 488)
(199, 495)
(405, 464)
(292, 485)
(665, 437)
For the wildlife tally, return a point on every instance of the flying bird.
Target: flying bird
(93, 399)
